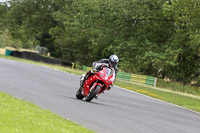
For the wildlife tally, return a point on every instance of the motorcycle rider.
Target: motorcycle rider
(112, 62)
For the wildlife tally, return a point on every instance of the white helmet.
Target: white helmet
(113, 60)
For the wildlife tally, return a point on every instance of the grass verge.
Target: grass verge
(185, 101)
(173, 96)
(175, 86)
(24, 117)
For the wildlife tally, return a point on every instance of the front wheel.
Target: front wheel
(93, 93)
(79, 95)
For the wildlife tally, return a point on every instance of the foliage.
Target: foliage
(159, 38)
(184, 45)
(31, 21)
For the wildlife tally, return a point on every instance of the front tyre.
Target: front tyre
(93, 93)
(79, 95)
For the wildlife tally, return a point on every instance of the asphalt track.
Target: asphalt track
(116, 111)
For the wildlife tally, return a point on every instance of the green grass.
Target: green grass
(170, 85)
(171, 94)
(18, 116)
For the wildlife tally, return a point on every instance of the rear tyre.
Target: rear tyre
(79, 95)
(92, 94)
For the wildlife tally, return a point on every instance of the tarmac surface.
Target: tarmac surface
(115, 111)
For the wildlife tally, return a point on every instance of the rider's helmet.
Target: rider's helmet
(113, 60)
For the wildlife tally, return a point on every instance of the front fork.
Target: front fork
(94, 85)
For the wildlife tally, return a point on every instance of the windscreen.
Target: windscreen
(110, 72)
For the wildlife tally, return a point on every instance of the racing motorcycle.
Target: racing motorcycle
(97, 83)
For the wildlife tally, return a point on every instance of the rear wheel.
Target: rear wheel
(79, 95)
(93, 93)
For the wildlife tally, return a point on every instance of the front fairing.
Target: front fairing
(89, 83)
(107, 75)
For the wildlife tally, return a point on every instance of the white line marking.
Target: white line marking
(156, 99)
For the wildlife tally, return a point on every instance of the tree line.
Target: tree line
(153, 37)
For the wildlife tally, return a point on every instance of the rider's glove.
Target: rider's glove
(94, 70)
(101, 67)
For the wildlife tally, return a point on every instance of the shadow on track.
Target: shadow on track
(92, 102)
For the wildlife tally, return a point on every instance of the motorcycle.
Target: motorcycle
(97, 83)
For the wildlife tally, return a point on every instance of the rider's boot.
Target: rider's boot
(82, 80)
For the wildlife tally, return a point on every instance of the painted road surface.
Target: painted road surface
(115, 111)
